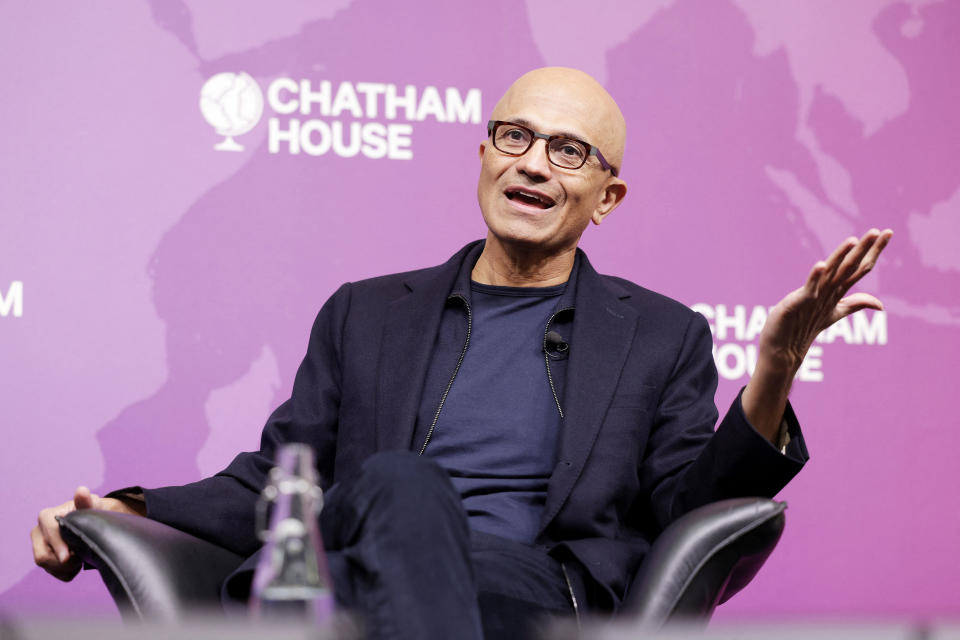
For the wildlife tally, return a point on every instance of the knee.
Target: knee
(403, 470)
(406, 480)
(396, 494)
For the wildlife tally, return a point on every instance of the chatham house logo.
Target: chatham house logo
(232, 103)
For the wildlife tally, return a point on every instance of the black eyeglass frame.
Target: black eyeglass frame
(535, 135)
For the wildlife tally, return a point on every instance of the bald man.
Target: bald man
(503, 435)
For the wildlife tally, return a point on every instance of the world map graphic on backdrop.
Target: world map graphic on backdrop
(747, 146)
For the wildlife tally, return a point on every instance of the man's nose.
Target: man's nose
(534, 163)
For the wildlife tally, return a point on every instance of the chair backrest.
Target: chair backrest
(143, 562)
(703, 559)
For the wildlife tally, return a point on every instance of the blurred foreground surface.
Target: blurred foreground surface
(346, 629)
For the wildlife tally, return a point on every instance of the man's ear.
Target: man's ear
(613, 195)
(483, 147)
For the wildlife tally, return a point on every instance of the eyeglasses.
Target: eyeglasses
(568, 153)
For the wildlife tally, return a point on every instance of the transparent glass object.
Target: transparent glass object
(291, 580)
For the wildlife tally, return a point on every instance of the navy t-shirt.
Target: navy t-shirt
(498, 431)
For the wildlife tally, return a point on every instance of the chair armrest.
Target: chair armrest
(704, 558)
(153, 571)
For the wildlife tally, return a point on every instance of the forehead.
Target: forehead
(554, 109)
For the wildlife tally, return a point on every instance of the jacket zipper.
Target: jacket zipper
(443, 398)
(546, 358)
(573, 596)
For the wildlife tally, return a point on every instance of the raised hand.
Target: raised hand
(795, 322)
(49, 550)
(797, 319)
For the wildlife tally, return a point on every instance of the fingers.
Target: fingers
(47, 559)
(83, 499)
(850, 262)
(42, 553)
(50, 530)
(853, 303)
(838, 256)
(812, 285)
(795, 321)
(874, 243)
(49, 550)
(822, 273)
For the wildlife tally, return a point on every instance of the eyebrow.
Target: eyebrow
(565, 134)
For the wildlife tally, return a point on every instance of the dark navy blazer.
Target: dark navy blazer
(638, 447)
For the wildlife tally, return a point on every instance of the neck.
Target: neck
(507, 267)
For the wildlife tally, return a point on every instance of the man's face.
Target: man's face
(529, 203)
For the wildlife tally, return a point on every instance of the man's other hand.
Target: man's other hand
(795, 322)
(49, 549)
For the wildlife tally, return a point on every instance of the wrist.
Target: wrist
(779, 361)
(765, 397)
(121, 505)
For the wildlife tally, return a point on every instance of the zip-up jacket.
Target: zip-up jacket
(638, 447)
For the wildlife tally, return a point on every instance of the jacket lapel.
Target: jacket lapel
(603, 330)
(406, 347)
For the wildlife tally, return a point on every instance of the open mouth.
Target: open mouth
(530, 198)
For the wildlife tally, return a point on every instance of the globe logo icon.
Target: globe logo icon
(232, 103)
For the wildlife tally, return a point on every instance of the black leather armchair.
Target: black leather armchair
(157, 573)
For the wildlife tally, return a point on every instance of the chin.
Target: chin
(510, 227)
(525, 238)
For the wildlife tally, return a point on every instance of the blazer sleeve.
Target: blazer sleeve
(688, 464)
(221, 508)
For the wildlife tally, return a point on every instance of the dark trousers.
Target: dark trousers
(400, 553)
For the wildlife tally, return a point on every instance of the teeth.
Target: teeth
(531, 196)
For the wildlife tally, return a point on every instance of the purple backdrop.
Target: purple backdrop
(156, 293)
